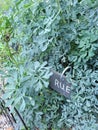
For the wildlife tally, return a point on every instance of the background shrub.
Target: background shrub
(39, 35)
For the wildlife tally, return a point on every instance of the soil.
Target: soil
(4, 122)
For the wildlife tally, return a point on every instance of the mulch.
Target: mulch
(4, 123)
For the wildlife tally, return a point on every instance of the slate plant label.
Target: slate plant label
(60, 84)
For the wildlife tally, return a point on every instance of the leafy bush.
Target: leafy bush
(5, 5)
(39, 35)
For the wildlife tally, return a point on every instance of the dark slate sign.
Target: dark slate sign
(59, 83)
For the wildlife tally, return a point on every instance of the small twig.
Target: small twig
(21, 118)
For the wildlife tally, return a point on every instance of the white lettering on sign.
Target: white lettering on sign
(62, 86)
(67, 89)
(56, 83)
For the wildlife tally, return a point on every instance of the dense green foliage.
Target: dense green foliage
(5, 4)
(43, 34)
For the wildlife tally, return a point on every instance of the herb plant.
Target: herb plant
(37, 36)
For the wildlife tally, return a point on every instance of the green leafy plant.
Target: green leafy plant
(44, 35)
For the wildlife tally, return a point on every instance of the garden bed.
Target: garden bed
(4, 123)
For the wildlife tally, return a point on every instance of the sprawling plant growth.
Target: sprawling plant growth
(43, 34)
